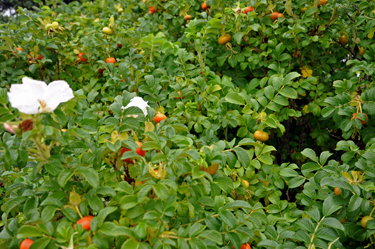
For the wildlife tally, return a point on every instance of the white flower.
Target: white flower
(137, 102)
(34, 96)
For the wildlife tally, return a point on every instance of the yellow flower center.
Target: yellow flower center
(43, 104)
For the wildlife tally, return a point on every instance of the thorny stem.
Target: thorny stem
(313, 236)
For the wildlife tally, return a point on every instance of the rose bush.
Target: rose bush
(235, 127)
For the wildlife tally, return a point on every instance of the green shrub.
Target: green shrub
(204, 177)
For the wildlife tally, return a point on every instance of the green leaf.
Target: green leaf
(354, 203)
(91, 176)
(306, 225)
(198, 173)
(289, 92)
(268, 243)
(52, 45)
(314, 213)
(140, 230)
(54, 167)
(14, 202)
(151, 135)
(125, 187)
(104, 213)
(369, 108)
(52, 201)
(106, 191)
(234, 98)
(238, 36)
(33, 68)
(249, 141)
(371, 33)
(324, 157)
(150, 145)
(225, 183)
(265, 159)
(30, 205)
(128, 202)
(40, 243)
(196, 229)
(130, 243)
(212, 235)
(309, 153)
(197, 243)
(114, 147)
(158, 157)
(95, 203)
(132, 111)
(288, 172)
(279, 48)
(27, 231)
(334, 183)
(143, 192)
(228, 218)
(48, 213)
(269, 92)
(329, 207)
(243, 156)
(296, 182)
(64, 177)
(111, 229)
(237, 204)
(89, 124)
(290, 76)
(327, 111)
(227, 81)
(255, 26)
(234, 239)
(161, 191)
(232, 61)
(332, 222)
(309, 167)
(281, 100)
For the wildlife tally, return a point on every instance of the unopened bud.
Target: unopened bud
(9, 128)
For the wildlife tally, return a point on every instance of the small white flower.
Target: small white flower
(34, 96)
(137, 102)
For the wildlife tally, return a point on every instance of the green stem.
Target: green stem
(313, 236)
(79, 212)
(44, 153)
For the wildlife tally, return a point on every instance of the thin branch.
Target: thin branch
(349, 16)
(353, 54)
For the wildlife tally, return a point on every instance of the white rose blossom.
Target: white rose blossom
(34, 96)
(137, 102)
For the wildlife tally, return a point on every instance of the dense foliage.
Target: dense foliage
(267, 139)
(12, 5)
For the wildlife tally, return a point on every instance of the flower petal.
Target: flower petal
(37, 87)
(138, 102)
(57, 92)
(25, 96)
